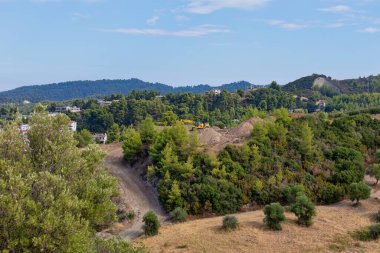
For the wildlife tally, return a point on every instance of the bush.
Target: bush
(230, 223)
(358, 191)
(374, 231)
(152, 224)
(291, 192)
(179, 214)
(304, 209)
(274, 214)
(368, 234)
(378, 216)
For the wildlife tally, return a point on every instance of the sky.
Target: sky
(186, 42)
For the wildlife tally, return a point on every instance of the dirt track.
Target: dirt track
(134, 192)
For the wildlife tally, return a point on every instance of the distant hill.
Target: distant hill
(84, 89)
(306, 85)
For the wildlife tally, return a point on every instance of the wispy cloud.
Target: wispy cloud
(337, 9)
(152, 20)
(209, 6)
(287, 25)
(370, 30)
(193, 32)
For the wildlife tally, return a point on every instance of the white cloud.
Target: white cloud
(209, 6)
(287, 25)
(194, 32)
(152, 20)
(337, 8)
(370, 30)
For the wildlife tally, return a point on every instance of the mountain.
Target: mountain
(305, 86)
(83, 89)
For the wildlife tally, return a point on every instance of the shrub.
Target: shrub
(152, 224)
(329, 193)
(230, 223)
(179, 214)
(374, 231)
(368, 234)
(291, 192)
(274, 214)
(378, 216)
(358, 191)
(304, 209)
(131, 215)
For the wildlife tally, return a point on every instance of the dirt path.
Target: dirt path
(134, 192)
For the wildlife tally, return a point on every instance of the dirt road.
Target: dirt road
(134, 192)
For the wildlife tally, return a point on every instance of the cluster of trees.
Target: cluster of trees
(53, 195)
(323, 156)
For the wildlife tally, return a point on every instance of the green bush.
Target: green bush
(368, 233)
(291, 192)
(152, 224)
(304, 209)
(274, 214)
(358, 191)
(179, 214)
(230, 223)
(374, 231)
(378, 216)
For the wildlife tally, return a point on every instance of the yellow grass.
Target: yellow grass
(329, 233)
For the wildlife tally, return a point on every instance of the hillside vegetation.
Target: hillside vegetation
(100, 88)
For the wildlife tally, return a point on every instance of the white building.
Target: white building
(100, 138)
(216, 92)
(103, 103)
(73, 126)
(63, 109)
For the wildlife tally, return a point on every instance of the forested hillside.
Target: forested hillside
(101, 88)
(305, 86)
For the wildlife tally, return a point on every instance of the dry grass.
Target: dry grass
(330, 233)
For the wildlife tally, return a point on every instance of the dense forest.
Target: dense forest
(322, 155)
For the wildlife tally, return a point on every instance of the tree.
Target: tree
(152, 224)
(132, 145)
(274, 215)
(304, 209)
(53, 195)
(147, 130)
(113, 133)
(374, 171)
(359, 191)
(84, 138)
(274, 85)
(292, 191)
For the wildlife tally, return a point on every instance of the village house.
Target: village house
(103, 103)
(64, 109)
(100, 138)
(216, 92)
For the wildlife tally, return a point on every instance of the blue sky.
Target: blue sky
(186, 42)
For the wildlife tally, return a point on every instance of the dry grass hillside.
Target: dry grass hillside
(330, 233)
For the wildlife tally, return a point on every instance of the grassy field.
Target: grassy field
(330, 233)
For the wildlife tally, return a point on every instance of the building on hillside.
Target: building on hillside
(103, 103)
(64, 109)
(100, 138)
(73, 126)
(24, 128)
(26, 102)
(214, 91)
(321, 103)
